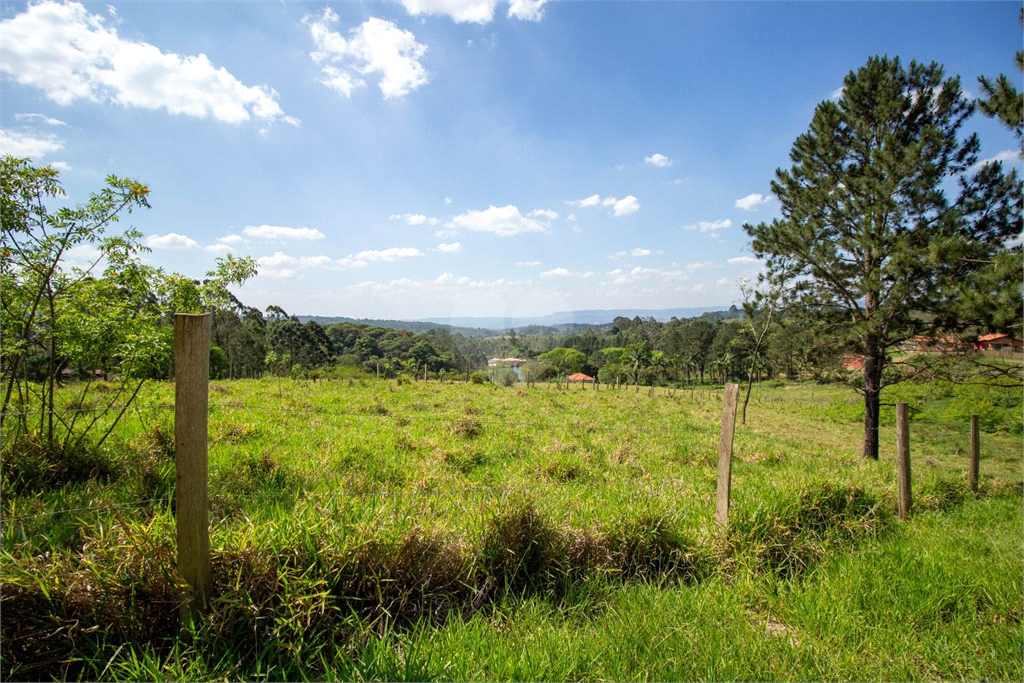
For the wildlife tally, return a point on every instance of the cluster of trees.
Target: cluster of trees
(250, 343)
(713, 348)
(106, 313)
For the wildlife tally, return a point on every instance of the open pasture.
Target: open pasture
(382, 529)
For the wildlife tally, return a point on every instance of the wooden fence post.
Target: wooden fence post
(975, 453)
(424, 372)
(732, 391)
(903, 459)
(378, 369)
(191, 403)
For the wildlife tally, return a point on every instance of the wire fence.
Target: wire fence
(647, 424)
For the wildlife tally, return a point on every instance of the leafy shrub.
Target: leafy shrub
(504, 376)
(960, 409)
(478, 378)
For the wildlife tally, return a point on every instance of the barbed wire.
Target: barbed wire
(644, 425)
(442, 494)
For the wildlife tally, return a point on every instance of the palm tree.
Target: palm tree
(638, 356)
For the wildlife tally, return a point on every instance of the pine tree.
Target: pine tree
(873, 247)
(1002, 100)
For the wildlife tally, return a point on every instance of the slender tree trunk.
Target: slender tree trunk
(872, 398)
(746, 398)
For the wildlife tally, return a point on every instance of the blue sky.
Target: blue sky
(414, 159)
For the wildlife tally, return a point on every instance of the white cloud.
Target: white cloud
(60, 165)
(447, 200)
(620, 277)
(414, 218)
(461, 11)
(659, 160)
(72, 55)
(1006, 155)
(282, 273)
(503, 221)
(592, 200)
(837, 94)
(743, 260)
(375, 47)
(723, 281)
(277, 232)
(28, 144)
(42, 118)
(278, 259)
(445, 282)
(528, 263)
(528, 10)
(544, 213)
(171, 240)
(622, 207)
(698, 265)
(230, 239)
(445, 234)
(556, 272)
(219, 248)
(392, 254)
(626, 206)
(709, 226)
(82, 255)
(638, 252)
(571, 217)
(452, 248)
(475, 11)
(281, 265)
(752, 201)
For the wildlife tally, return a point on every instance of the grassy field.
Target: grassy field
(376, 530)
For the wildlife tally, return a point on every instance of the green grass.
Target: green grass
(369, 530)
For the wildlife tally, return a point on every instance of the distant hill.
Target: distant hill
(588, 318)
(547, 324)
(414, 326)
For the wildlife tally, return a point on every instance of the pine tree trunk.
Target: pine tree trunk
(872, 396)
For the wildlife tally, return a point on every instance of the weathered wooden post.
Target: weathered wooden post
(378, 369)
(975, 453)
(732, 391)
(903, 459)
(191, 402)
(424, 372)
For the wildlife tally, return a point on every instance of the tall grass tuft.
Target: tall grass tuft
(786, 536)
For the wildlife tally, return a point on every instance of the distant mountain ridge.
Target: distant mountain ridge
(591, 317)
(491, 326)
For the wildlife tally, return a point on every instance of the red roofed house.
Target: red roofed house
(999, 342)
(579, 377)
(852, 362)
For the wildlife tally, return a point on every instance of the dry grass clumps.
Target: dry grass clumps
(29, 464)
(786, 537)
(124, 586)
(466, 427)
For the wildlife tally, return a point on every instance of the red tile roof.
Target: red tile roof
(580, 377)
